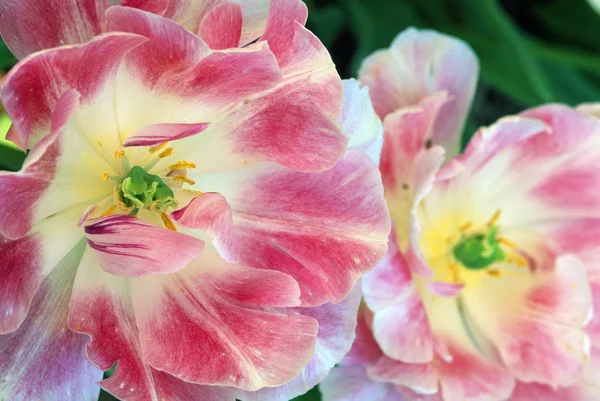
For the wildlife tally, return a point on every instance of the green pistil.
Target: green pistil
(478, 251)
(141, 189)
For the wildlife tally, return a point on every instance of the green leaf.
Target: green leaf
(312, 395)
(7, 59)
(327, 23)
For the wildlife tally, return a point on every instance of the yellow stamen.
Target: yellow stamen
(109, 211)
(454, 272)
(184, 178)
(155, 149)
(494, 218)
(182, 165)
(466, 226)
(119, 154)
(166, 153)
(105, 177)
(494, 272)
(167, 222)
(506, 242)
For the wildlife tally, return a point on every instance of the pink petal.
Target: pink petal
(172, 388)
(32, 89)
(158, 7)
(353, 384)
(129, 247)
(221, 28)
(158, 133)
(325, 229)
(534, 391)
(238, 343)
(417, 65)
(421, 378)
(211, 212)
(284, 18)
(43, 359)
(359, 121)
(364, 350)
(30, 26)
(444, 289)
(101, 308)
(470, 377)
(337, 323)
(26, 261)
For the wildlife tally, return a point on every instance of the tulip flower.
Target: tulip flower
(488, 289)
(197, 216)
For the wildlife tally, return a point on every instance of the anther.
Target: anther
(184, 178)
(466, 226)
(109, 211)
(166, 153)
(494, 218)
(155, 149)
(105, 177)
(167, 221)
(182, 165)
(119, 154)
(506, 242)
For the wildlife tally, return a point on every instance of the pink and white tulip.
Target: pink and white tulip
(490, 283)
(198, 215)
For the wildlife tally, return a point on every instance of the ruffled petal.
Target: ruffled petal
(325, 229)
(211, 212)
(221, 28)
(43, 359)
(217, 307)
(31, 90)
(337, 323)
(286, 17)
(400, 323)
(417, 65)
(34, 25)
(130, 247)
(359, 121)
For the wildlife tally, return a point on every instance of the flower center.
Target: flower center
(480, 250)
(142, 190)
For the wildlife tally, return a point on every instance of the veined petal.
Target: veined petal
(173, 389)
(43, 359)
(158, 7)
(417, 65)
(359, 121)
(221, 28)
(325, 229)
(535, 391)
(32, 89)
(130, 247)
(239, 343)
(101, 308)
(337, 323)
(285, 16)
(352, 384)
(420, 378)
(211, 212)
(26, 261)
(31, 26)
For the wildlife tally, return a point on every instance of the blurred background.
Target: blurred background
(530, 51)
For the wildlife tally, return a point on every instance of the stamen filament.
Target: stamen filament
(155, 149)
(167, 221)
(494, 218)
(166, 153)
(182, 165)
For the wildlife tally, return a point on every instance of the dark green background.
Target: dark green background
(531, 52)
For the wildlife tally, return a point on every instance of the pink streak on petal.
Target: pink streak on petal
(221, 28)
(154, 6)
(284, 15)
(239, 344)
(45, 360)
(31, 26)
(445, 289)
(156, 134)
(20, 268)
(129, 247)
(421, 378)
(36, 175)
(31, 90)
(211, 212)
(86, 213)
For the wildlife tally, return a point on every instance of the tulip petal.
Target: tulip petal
(158, 7)
(325, 229)
(211, 212)
(417, 65)
(535, 391)
(30, 26)
(174, 389)
(359, 121)
(217, 307)
(221, 28)
(130, 247)
(32, 89)
(285, 17)
(43, 359)
(353, 384)
(420, 378)
(337, 323)
(156, 134)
